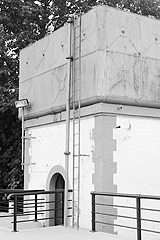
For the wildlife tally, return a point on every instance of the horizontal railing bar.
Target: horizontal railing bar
(39, 192)
(150, 197)
(39, 211)
(115, 215)
(47, 210)
(118, 225)
(4, 208)
(32, 207)
(5, 216)
(150, 209)
(32, 220)
(23, 215)
(38, 203)
(115, 194)
(151, 231)
(29, 212)
(5, 191)
(33, 203)
(27, 200)
(110, 205)
(150, 220)
(4, 202)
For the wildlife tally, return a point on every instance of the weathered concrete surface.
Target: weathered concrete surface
(120, 63)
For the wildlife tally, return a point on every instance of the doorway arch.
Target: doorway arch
(56, 181)
(59, 200)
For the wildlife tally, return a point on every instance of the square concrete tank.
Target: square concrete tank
(120, 61)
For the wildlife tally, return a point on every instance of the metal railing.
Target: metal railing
(33, 206)
(99, 201)
(5, 200)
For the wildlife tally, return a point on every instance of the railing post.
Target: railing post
(35, 207)
(93, 212)
(15, 214)
(138, 207)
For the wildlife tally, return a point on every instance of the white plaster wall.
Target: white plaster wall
(138, 169)
(47, 150)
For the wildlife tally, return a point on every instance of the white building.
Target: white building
(120, 100)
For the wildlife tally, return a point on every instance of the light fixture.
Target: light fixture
(22, 103)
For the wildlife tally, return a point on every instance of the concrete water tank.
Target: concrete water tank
(120, 63)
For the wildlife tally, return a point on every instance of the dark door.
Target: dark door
(59, 201)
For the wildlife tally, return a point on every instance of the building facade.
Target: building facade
(119, 115)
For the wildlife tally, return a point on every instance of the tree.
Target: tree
(21, 23)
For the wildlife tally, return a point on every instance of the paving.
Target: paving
(54, 233)
(34, 231)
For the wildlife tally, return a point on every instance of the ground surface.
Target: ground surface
(35, 231)
(54, 233)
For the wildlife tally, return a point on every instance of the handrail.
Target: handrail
(35, 205)
(18, 190)
(35, 192)
(126, 195)
(138, 209)
(24, 193)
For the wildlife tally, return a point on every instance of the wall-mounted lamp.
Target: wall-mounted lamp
(22, 103)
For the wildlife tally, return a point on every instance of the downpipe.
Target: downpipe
(68, 88)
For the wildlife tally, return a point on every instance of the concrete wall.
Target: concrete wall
(137, 158)
(46, 157)
(119, 63)
(123, 157)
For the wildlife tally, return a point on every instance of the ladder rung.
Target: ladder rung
(77, 26)
(76, 58)
(76, 144)
(76, 122)
(75, 134)
(76, 90)
(76, 48)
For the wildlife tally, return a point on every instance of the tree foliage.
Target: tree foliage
(23, 22)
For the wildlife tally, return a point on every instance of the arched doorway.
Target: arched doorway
(56, 200)
(59, 201)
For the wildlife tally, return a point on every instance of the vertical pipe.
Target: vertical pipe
(35, 207)
(22, 163)
(73, 136)
(67, 153)
(138, 206)
(15, 214)
(93, 212)
(79, 116)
